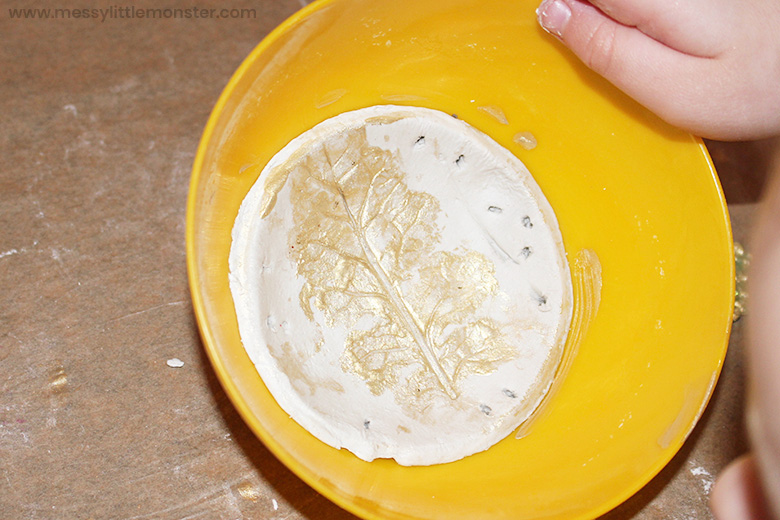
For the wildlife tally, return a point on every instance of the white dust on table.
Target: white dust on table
(705, 477)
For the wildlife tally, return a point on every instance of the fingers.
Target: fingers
(719, 97)
(737, 494)
(708, 66)
(697, 27)
(602, 42)
(663, 79)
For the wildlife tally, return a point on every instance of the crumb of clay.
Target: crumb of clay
(175, 363)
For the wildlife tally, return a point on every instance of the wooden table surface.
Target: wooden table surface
(100, 123)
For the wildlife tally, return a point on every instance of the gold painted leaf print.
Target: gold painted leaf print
(366, 247)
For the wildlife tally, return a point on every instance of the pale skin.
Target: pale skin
(711, 67)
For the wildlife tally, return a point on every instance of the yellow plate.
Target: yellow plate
(640, 194)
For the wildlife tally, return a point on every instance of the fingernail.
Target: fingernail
(553, 16)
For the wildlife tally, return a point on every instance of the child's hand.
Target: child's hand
(709, 66)
(749, 489)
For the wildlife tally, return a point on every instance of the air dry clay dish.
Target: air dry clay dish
(401, 285)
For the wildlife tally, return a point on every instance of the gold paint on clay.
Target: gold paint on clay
(586, 275)
(275, 181)
(292, 364)
(384, 120)
(365, 246)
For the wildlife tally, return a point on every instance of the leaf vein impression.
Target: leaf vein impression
(397, 302)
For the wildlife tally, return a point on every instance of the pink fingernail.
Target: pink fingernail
(553, 16)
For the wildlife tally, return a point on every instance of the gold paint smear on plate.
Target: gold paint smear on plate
(402, 98)
(682, 420)
(331, 97)
(586, 274)
(495, 112)
(686, 418)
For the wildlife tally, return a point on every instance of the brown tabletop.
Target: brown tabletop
(100, 123)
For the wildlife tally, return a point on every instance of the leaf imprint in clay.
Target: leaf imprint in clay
(401, 285)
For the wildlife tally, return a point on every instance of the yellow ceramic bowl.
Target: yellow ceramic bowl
(642, 195)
